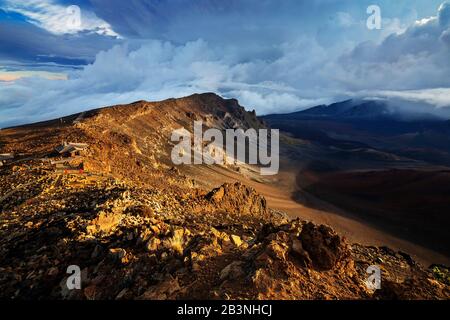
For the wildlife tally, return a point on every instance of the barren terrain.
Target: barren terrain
(140, 228)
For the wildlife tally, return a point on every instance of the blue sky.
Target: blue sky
(273, 55)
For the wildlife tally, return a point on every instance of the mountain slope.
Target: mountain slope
(140, 229)
(130, 141)
(349, 109)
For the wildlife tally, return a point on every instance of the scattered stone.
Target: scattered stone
(232, 271)
(155, 229)
(53, 271)
(277, 250)
(105, 223)
(165, 290)
(90, 292)
(236, 240)
(119, 254)
(122, 294)
(144, 236)
(153, 244)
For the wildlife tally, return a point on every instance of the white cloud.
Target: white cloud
(59, 19)
(414, 59)
(274, 102)
(156, 70)
(438, 97)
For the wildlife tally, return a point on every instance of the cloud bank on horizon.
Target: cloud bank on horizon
(274, 56)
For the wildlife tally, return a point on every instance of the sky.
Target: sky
(59, 57)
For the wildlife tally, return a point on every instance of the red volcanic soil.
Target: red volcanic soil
(411, 204)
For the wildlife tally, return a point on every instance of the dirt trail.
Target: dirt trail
(278, 194)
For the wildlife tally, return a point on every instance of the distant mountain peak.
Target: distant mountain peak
(351, 109)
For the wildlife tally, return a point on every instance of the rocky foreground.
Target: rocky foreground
(135, 242)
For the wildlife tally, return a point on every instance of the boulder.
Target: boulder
(104, 223)
(325, 248)
(237, 198)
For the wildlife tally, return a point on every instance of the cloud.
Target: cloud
(155, 70)
(15, 75)
(57, 18)
(26, 46)
(412, 60)
(439, 97)
(444, 15)
(274, 102)
(272, 69)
